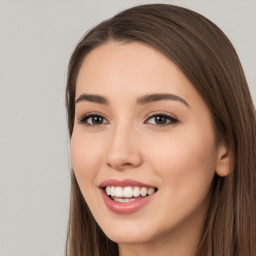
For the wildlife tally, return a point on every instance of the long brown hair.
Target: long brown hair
(208, 59)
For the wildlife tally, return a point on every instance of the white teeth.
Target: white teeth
(143, 191)
(129, 192)
(113, 191)
(108, 191)
(119, 192)
(126, 200)
(151, 191)
(136, 192)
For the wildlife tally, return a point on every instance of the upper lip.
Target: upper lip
(124, 183)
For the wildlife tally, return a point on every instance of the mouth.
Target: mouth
(126, 196)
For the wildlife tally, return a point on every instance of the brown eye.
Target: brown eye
(161, 119)
(93, 120)
(96, 120)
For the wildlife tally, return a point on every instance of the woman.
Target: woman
(163, 134)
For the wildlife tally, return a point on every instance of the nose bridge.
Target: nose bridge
(123, 151)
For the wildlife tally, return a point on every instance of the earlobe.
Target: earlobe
(223, 165)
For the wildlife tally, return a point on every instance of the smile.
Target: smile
(123, 199)
(130, 193)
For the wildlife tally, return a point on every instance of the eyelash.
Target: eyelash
(171, 120)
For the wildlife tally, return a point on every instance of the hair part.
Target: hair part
(208, 59)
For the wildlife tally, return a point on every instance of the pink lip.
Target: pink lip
(124, 183)
(125, 208)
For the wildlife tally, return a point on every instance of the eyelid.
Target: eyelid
(161, 112)
(83, 118)
(172, 120)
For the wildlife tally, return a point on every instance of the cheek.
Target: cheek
(85, 157)
(186, 163)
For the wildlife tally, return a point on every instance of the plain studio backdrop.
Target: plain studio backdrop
(36, 40)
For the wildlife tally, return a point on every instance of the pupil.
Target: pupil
(160, 120)
(97, 120)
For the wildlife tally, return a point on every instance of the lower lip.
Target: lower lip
(125, 208)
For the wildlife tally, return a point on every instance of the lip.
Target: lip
(124, 183)
(125, 208)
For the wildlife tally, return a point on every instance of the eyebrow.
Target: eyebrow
(157, 97)
(140, 101)
(92, 98)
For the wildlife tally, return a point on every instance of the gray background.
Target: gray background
(36, 41)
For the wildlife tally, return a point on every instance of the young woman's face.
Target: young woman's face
(141, 128)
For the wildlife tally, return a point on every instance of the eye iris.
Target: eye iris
(160, 119)
(97, 120)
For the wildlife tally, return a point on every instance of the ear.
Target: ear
(223, 164)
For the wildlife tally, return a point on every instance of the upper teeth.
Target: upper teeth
(128, 191)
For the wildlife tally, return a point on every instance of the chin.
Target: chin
(129, 234)
(130, 238)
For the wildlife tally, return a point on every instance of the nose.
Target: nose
(123, 149)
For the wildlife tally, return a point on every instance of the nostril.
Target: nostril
(120, 166)
(127, 164)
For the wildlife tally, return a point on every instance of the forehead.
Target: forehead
(131, 69)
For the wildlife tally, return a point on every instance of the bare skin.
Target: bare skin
(168, 142)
